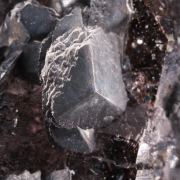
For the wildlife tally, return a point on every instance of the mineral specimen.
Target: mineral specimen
(79, 52)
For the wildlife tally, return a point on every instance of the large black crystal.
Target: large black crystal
(83, 82)
(83, 86)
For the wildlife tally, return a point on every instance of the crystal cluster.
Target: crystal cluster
(110, 78)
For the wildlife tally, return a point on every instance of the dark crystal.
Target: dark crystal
(77, 91)
(42, 21)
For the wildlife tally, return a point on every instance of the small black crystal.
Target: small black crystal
(42, 21)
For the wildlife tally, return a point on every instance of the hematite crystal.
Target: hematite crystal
(83, 84)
